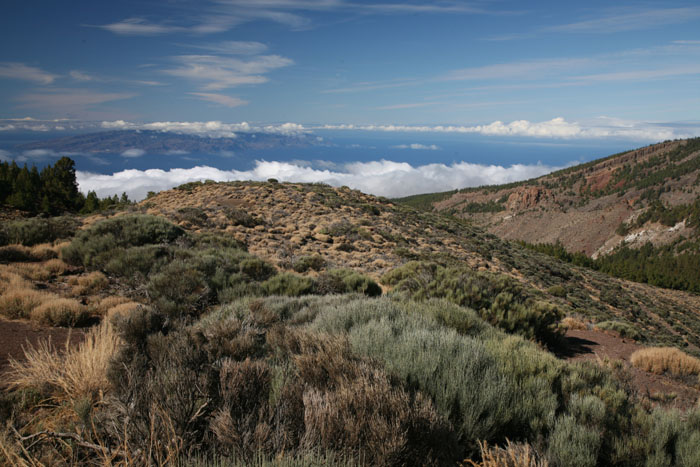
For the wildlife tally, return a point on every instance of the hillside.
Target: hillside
(645, 195)
(287, 223)
(159, 142)
(250, 323)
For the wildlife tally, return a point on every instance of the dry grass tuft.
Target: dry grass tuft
(10, 280)
(19, 303)
(31, 271)
(122, 310)
(59, 312)
(56, 266)
(513, 455)
(10, 451)
(573, 323)
(43, 251)
(660, 360)
(88, 283)
(78, 373)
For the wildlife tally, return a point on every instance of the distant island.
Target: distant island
(152, 141)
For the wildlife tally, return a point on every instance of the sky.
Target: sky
(548, 70)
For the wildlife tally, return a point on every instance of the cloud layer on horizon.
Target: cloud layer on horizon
(381, 178)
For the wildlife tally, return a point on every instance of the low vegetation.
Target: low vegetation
(208, 355)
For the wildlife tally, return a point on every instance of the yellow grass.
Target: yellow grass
(122, 310)
(31, 271)
(43, 251)
(105, 304)
(19, 303)
(660, 360)
(573, 323)
(10, 280)
(59, 312)
(55, 266)
(88, 283)
(78, 373)
(513, 455)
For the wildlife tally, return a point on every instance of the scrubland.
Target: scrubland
(201, 353)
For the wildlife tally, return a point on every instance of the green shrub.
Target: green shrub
(193, 215)
(346, 281)
(135, 264)
(303, 264)
(257, 269)
(572, 444)
(557, 291)
(623, 329)
(179, 290)
(240, 217)
(37, 230)
(94, 246)
(288, 284)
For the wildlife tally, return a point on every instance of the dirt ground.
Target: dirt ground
(17, 335)
(658, 389)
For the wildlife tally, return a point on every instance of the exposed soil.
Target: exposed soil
(658, 389)
(15, 336)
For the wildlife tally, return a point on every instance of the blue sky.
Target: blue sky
(342, 62)
(511, 71)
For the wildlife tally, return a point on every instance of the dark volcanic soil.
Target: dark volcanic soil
(16, 335)
(598, 345)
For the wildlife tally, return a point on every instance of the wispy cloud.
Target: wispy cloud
(382, 178)
(80, 76)
(232, 47)
(221, 15)
(418, 146)
(630, 21)
(221, 99)
(217, 72)
(140, 27)
(135, 152)
(69, 98)
(20, 71)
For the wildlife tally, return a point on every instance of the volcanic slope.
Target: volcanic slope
(291, 224)
(645, 195)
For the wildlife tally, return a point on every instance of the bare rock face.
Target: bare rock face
(528, 197)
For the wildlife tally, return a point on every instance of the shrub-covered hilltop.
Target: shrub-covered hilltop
(293, 324)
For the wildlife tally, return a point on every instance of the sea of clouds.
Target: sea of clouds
(381, 178)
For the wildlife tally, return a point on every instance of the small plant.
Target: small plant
(60, 312)
(303, 264)
(660, 360)
(288, 284)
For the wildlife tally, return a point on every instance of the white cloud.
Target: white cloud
(217, 72)
(133, 153)
(234, 47)
(212, 129)
(80, 76)
(383, 178)
(645, 19)
(24, 72)
(5, 156)
(557, 128)
(418, 146)
(140, 27)
(69, 99)
(220, 99)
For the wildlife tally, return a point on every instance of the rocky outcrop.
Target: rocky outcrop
(528, 197)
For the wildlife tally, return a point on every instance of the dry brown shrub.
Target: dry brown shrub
(660, 360)
(122, 309)
(56, 266)
(573, 323)
(11, 280)
(44, 251)
(77, 373)
(88, 283)
(19, 303)
(32, 271)
(513, 455)
(59, 312)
